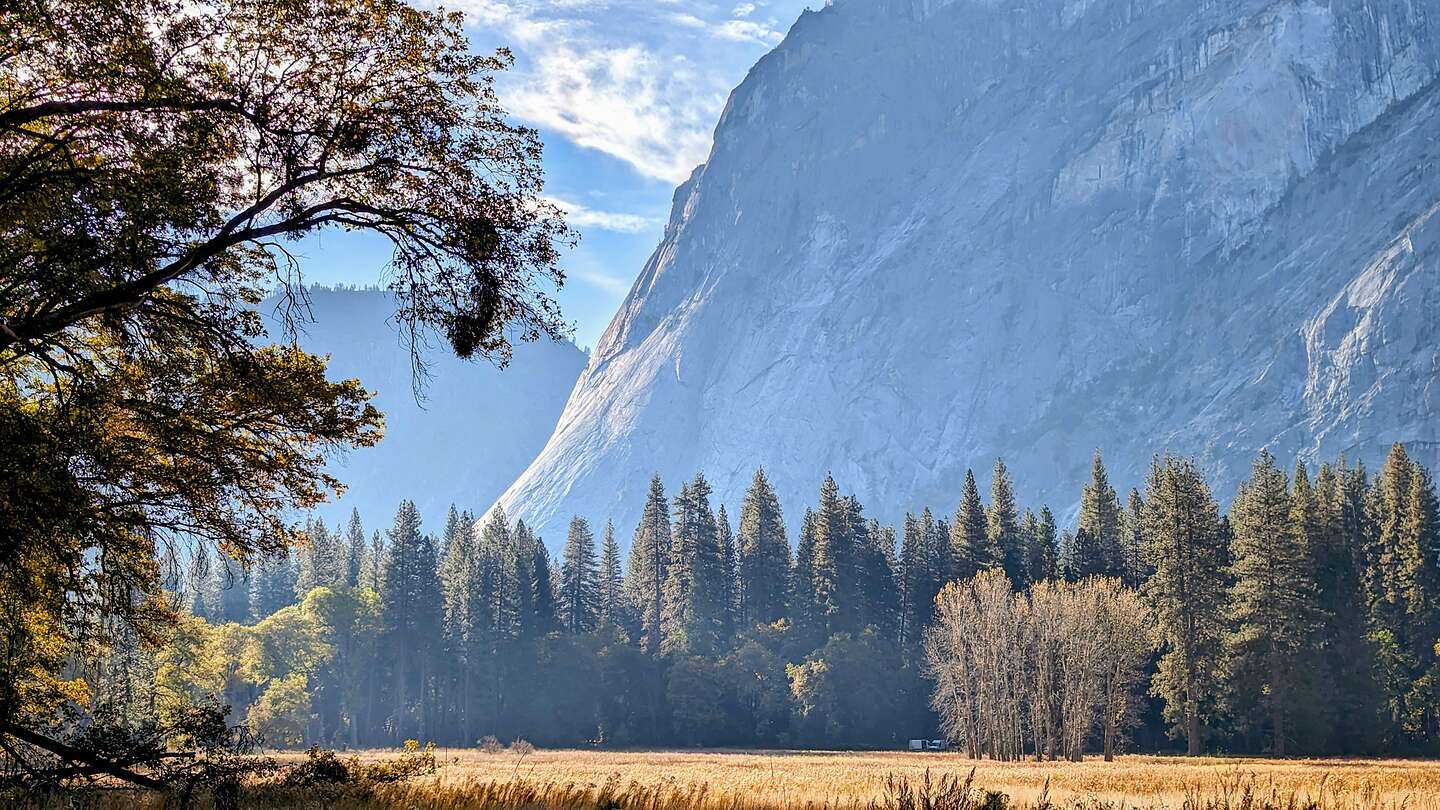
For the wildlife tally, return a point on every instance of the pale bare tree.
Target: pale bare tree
(1128, 644)
(1040, 671)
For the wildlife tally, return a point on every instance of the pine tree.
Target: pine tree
(355, 551)
(541, 617)
(412, 611)
(1343, 654)
(469, 622)
(457, 553)
(1045, 554)
(1136, 569)
(693, 607)
(1187, 592)
(836, 580)
(1002, 526)
(1418, 539)
(327, 567)
(1100, 521)
(939, 560)
(307, 577)
(505, 564)
(763, 556)
(1272, 602)
(372, 575)
(610, 595)
(579, 606)
(970, 547)
(879, 586)
(456, 545)
(916, 601)
(649, 566)
(1084, 557)
(1034, 550)
(939, 556)
(1386, 589)
(725, 538)
(507, 579)
(1070, 560)
(1397, 585)
(805, 610)
(274, 586)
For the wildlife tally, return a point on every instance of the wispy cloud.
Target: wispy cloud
(614, 285)
(640, 80)
(583, 217)
(749, 31)
(651, 111)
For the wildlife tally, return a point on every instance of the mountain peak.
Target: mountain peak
(930, 234)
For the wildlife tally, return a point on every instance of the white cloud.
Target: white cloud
(640, 80)
(582, 217)
(614, 285)
(652, 111)
(687, 20)
(749, 31)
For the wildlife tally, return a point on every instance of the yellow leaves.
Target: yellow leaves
(282, 712)
(33, 650)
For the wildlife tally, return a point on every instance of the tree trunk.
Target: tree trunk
(1277, 704)
(1192, 728)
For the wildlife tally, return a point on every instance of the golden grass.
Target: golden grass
(778, 780)
(791, 779)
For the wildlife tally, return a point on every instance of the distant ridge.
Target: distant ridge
(475, 431)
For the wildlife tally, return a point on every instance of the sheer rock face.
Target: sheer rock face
(930, 233)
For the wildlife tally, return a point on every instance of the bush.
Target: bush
(322, 767)
(325, 767)
(490, 745)
(415, 761)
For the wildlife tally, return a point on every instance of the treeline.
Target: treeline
(1303, 621)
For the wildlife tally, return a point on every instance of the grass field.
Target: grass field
(780, 780)
(795, 779)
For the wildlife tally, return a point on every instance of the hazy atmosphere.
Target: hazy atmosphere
(848, 405)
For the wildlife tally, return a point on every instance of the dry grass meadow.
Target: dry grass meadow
(780, 780)
(777, 779)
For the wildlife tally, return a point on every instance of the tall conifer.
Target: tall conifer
(763, 556)
(1272, 595)
(355, 550)
(692, 609)
(836, 564)
(805, 610)
(1002, 526)
(1100, 521)
(725, 539)
(649, 566)
(970, 546)
(614, 613)
(916, 601)
(1186, 594)
(412, 610)
(579, 606)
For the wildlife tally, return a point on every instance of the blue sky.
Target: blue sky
(625, 94)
